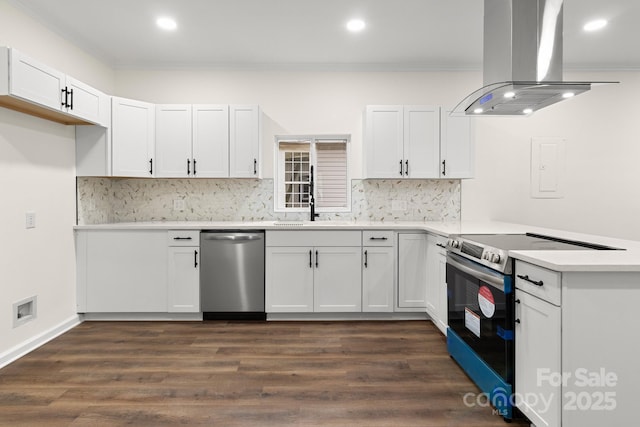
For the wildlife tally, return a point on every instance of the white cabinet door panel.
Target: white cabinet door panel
(288, 279)
(412, 270)
(384, 145)
(211, 141)
(421, 141)
(87, 103)
(184, 280)
(244, 141)
(377, 279)
(337, 279)
(173, 141)
(457, 146)
(36, 82)
(133, 126)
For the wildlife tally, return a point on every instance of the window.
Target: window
(296, 156)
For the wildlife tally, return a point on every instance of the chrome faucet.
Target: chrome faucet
(312, 199)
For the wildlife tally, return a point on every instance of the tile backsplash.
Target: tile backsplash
(105, 200)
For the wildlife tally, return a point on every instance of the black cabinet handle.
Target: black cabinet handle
(316, 259)
(195, 259)
(406, 169)
(444, 168)
(366, 259)
(150, 166)
(440, 245)
(71, 103)
(182, 238)
(194, 167)
(535, 282)
(517, 320)
(255, 166)
(64, 97)
(188, 167)
(310, 259)
(400, 167)
(377, 238)
(517, 301)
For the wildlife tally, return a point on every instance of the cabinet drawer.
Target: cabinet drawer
(377, 238)
(538, 281)
(183, 238)
(313, 238)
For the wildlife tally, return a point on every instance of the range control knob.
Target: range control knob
(495, 258)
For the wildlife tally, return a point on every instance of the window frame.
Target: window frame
(279, 169)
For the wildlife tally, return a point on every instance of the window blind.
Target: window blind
(331, 184)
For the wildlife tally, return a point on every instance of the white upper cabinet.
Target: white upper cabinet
(414, 141)
(421, 145)
(173, 141)
(244, 141)
(37, 89)
(457, 148)
(133, 126)
(384, 141)
(210, 141)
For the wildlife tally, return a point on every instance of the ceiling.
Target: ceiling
(311, 34)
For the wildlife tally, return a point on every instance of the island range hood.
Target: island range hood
(522, 64)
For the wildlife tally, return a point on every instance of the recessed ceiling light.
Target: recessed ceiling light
(527, 111)
(478, 110)
(509, 94)
(568, 94)
(355, 25)
(166, 23)
(595, 25)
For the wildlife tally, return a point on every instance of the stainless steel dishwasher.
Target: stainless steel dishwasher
(232, 275)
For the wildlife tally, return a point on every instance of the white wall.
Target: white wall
(602, 179)
(37, 173)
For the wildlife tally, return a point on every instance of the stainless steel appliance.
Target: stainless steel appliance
(232, 275)
(481, 307)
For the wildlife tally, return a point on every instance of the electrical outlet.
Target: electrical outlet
(178, 205)
(30, 220)
(398, 205)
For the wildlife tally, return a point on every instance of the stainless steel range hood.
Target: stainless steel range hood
(522, 65)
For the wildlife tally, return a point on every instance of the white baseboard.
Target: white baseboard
(28, 346)
(140, 317)
(345, 316)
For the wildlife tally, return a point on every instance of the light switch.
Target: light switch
(30, 220)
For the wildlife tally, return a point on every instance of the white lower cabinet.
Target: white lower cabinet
(289, 279)
(436, 287)
(378, 271)
(538, 343)
(313, 271)
(183, 272)
(337, 280)
(412, 270)
(121, 271)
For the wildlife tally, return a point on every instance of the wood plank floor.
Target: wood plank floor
(241, 374)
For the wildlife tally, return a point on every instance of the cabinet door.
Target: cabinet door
(337, 284)
(412, 270)
(211, 141)
(421, 141)
(35, 82)
(383, 144)
(436, 292)
(441, 308)
(538, 343)
(288, 279)
(133, 125)
(377, 279)
(86, 102)
(173, 141)
(456, 147)
(244, 141)
(124, 271)
(184, 280)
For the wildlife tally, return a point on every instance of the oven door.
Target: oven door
(480, 308)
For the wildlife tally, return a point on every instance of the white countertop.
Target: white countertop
(627, 260)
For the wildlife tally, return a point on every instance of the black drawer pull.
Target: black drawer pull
(378, 238)
(535, 282)
(195, 259)
(182, 238)
(366, 259)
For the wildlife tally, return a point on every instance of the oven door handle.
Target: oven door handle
(495, 280)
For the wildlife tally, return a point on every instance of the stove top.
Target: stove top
(491, 250)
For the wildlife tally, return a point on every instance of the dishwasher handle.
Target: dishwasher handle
(232, 238)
